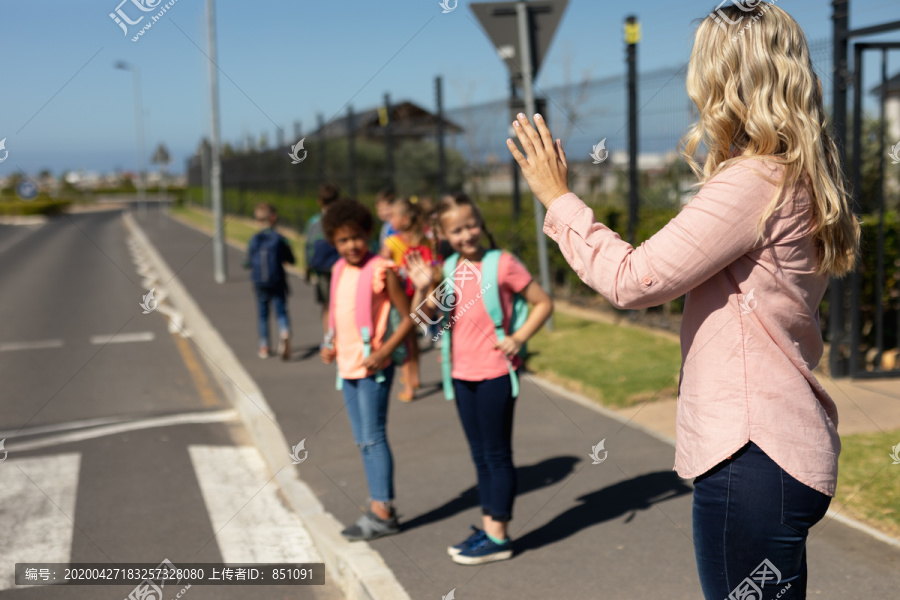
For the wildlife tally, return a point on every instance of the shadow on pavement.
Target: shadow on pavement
(529, 478)
(638, 493)
(306, 354)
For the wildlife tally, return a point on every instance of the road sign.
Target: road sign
(26, 190)
(521, 32)
(499, 21)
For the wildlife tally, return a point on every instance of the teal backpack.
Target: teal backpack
(489, 266)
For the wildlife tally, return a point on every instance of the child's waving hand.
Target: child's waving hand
(419, 270)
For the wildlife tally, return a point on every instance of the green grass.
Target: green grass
(868, 484)
(41, 205)
(238, 229)
(616, 365)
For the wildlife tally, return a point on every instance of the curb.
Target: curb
(360, 571)
(588, 403)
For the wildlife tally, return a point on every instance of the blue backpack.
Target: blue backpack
(490, 265)
(266, 252)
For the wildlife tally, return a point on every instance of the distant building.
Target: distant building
(409, 122)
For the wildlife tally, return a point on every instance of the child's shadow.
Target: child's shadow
(529, 478)
(306, 354)
(638, 493)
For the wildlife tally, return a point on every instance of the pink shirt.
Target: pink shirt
(750, 335)
(472, 334)
(348, 343)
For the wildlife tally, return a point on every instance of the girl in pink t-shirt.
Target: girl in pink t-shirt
(481, 377)
(366, 372)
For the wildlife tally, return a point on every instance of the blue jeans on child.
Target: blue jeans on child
(276, 295)
(366, 402)
(747, 511)
(486, 411)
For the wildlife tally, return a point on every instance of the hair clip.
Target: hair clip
(413, 199)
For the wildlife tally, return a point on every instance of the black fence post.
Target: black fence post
(351, 148)
(837, 365)
(631, 39)
(442, 159)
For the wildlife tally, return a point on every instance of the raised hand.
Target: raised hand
(419, 270)
(544, 162)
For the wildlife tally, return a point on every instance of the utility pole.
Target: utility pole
(140, 183)
(220, 267)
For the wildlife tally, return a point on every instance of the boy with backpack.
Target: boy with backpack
(320, 254)
(266, 254)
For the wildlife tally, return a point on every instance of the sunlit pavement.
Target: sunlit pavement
(121, 448)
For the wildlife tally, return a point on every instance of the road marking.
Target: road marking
(251, 521)
(37, 500)
(218, 416)
(198, 375)
(140, 336)
(82, 424)
(36, 345)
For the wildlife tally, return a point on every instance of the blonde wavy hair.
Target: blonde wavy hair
(755, 89)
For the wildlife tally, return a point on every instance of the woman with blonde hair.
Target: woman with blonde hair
(752, 251)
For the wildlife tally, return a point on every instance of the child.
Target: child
(482, 383)
(383, 203)
(320, 254)
(408, 222)
(365, 369)
(266, 254)
(753, 251)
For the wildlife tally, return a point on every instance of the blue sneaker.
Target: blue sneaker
(476, 536)
(484, 551)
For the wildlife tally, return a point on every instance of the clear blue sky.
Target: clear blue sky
(64, 106)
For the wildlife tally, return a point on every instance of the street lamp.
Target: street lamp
(139, 132)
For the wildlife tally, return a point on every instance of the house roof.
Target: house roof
(407, 120)
(893, 87)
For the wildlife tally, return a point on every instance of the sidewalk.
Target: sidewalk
(619, 529)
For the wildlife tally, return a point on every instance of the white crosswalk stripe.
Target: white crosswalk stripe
(37, 509)
(252, 522)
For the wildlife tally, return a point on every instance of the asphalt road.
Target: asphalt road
(109, 458)
(620, 529)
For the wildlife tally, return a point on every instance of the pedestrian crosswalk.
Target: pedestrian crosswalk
(251, 521)
(37, 508)
(38, 496)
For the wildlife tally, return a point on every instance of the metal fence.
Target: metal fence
(583, 113)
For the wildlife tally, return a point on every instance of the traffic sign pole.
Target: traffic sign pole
(530, 35)
(528, 92)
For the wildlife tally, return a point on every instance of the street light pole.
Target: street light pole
(528, 91)
(220, 267)
(139, 134)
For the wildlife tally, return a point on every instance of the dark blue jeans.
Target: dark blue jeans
(751, 520)
(366, 402)
(276, 295)
(486, 411)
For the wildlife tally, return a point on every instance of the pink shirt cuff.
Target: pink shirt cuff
(561, 213)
